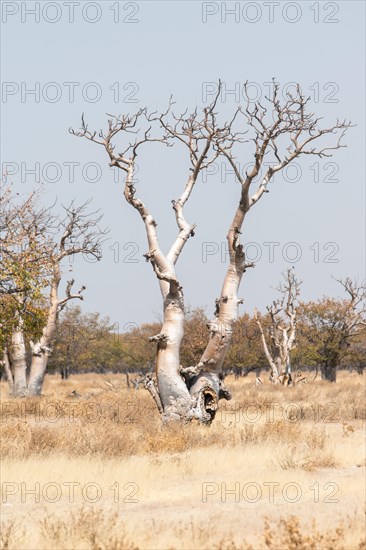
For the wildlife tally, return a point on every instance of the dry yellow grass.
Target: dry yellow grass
(279, 468)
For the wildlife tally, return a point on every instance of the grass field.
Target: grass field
(280, 468)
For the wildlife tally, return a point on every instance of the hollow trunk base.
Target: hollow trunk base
(204, 391)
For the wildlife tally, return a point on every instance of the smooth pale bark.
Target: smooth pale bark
(278, 355)
(207, 387)
(287, 347)
(18, 361)
(274, 370)
(174, 395)
(282, 342)
(42, 348)
(37, 373)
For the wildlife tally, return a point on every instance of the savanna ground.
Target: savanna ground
(280, 468)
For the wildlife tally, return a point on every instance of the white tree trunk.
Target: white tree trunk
(174, 395)
(19, 362)
(274, 370)
(42, 348)
(279, 358)
(37, 372)
(207, 387)
(18, 384)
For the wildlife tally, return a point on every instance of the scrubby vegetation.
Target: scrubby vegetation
(168, 486)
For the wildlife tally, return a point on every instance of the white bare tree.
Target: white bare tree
(282, 329)
(197, 132)
(193, 392)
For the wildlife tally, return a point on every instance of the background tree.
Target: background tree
(333, 328)
(356, 357)
(84, 341)
(35, 244)
(245, 353)
(195, 336)
(25, 251)
(281, 341)
(138, 353)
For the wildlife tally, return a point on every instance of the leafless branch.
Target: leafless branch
(80, 232)
(270, 125)
(69, 296)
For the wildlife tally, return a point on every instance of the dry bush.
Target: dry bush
(288, 534)
(87, 526)
(118, 422)
(86, 529)
(10, 535)
(93, 529)
(15, 440)
(314, 455)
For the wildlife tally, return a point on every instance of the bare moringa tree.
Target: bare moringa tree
(197, 132)
(36, 260)
(281, 131)
(282, 329)
(194, 391)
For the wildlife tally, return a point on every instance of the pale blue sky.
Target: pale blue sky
(169, 50)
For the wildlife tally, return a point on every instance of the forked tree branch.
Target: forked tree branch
(198, 131)
(269, 126)
(69, 296)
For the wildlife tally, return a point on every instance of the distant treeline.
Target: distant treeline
(86, 343)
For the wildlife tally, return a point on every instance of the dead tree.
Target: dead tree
(190, 392)
(282, 329)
